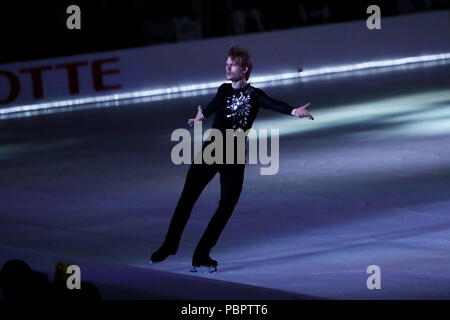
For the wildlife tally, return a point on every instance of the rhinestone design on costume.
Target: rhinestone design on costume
(238, 108)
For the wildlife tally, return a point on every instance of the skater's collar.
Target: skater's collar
(241, 88)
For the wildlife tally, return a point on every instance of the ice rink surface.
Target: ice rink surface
(366, 183)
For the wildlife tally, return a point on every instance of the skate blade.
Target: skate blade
(158, 262)
(154, 262)
(204, 269)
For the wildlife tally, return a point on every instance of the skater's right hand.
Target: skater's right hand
(198, 117)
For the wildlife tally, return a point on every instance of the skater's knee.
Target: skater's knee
(188, 197)
(228, 204)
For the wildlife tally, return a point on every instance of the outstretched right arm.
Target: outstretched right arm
(198, 117)
(212, 105)
(210, 109)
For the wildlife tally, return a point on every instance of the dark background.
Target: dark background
(37, 29)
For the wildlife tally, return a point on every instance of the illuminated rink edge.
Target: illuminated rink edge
(206, 88)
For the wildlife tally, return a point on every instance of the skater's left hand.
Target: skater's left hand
(301, 112)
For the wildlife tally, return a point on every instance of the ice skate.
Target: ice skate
(161, 254)
(204, 264)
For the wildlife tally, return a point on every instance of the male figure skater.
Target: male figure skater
(236, 105)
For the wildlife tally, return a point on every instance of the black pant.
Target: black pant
(198, 176)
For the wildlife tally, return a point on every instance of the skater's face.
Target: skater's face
(234, 71)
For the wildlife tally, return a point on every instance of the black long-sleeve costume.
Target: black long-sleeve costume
(237, 108)
(234, 108)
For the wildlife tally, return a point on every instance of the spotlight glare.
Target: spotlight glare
(203, 88)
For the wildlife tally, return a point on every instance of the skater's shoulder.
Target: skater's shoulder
(225, 85)
(257, 90)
